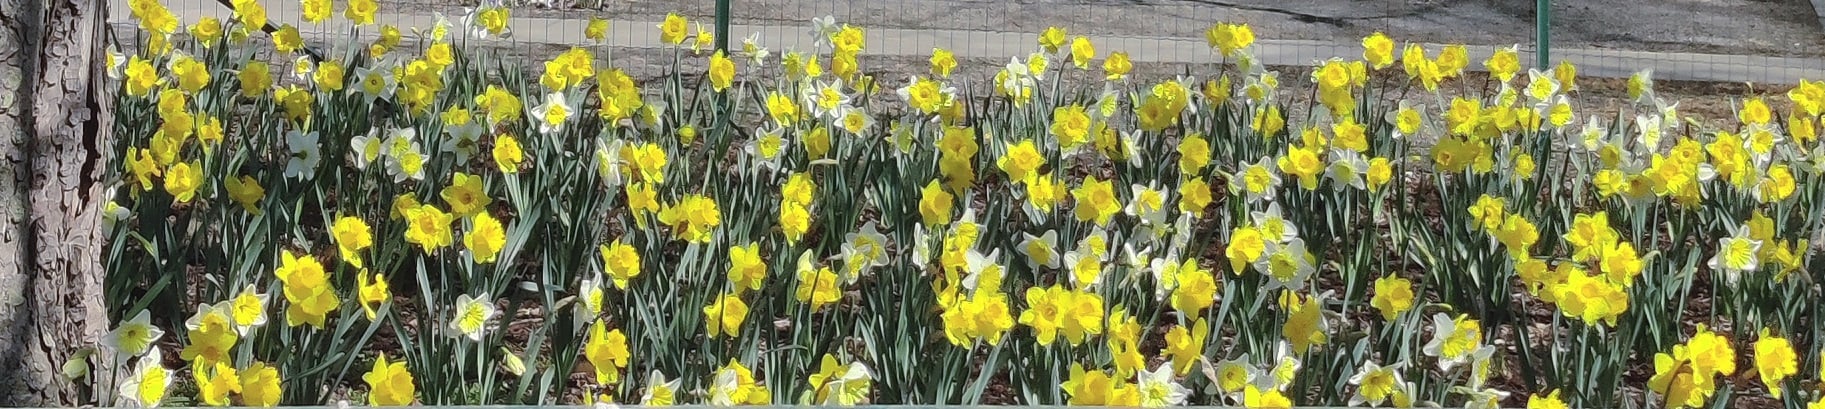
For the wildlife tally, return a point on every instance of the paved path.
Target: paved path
(997, 45)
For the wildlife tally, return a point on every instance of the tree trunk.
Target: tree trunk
(54, 129)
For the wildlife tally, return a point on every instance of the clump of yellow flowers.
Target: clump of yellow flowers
(1372, 234)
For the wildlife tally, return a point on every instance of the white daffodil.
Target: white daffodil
(922, 247)
(750, 47)
(112, 213)
(304, 69)
(1182, 230)
(862, 251)
(1347, 170)
(1158, 389)
(824, 98)
(1281, 374)
(1273, 225)
(248, 308)
(1231, 377)
(1165, 271)
(367, 149)
(1375, 384)
(855, 121)
(116, 62)
(305, 154)
(133, 337)
(822, 28)
(850, 388)
(1453, 344)
(375, 82)
(1147, 204)
(1650, 132)
(1481, 398)
(553, 114)
(1735, 255)
(659, 391)
(593, 295)
(471, 317)
(463, 138)
(1259, 180)
(146, 384)
(408, 163)
(1042, 250)
(1541, 86)
(1288, 264)
(978, 264)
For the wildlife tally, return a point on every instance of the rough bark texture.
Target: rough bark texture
(53, 125)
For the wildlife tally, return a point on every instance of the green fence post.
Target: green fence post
(722, 25)
(1543, 11)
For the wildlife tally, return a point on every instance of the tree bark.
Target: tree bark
(54, 128)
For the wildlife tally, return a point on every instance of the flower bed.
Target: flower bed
(413, 220)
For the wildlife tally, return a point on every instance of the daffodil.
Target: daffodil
(212, 333)
(1735, 255)
(351, 235)
(1454, 341)
(307, 289)
(1158, 389)
(1082, 51)
(1096, 201)
(722, 72)
(1117, 66)
(1774, 360)
(305, 154)
(1194, 197)
(183, 180)
(1185, 346)
(133, 337)
(1305, 323)
(1196, 288)
(146, 384)
(607, 351)
(486, 238)
(260, 385)
(1375, 384)
(747, 270)
(659, 391)
(817, 286)
(215, 383)
(733, 384)
(428, 227)
(1393, 295)
(246, 191)
(1099, 388)
(553, 114)
(1229, 38)
(725, 315)
(372, 292)
(471, 315)
(390, 384)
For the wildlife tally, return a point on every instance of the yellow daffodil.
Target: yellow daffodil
(607, 351)
(725, 315)
(390, 384)
(485, 239)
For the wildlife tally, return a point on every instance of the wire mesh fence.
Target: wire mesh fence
(1762, 42)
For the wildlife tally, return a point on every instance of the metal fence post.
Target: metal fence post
(1543, 11)
(722, 25)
